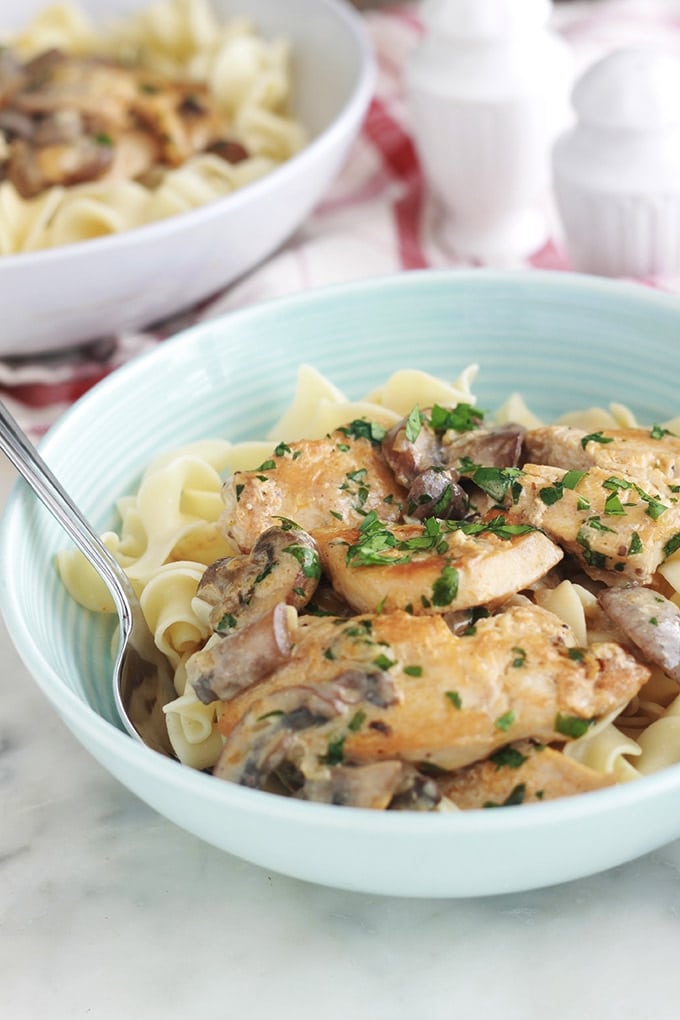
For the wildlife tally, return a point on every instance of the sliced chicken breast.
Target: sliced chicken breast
(320, 483)
(650, 456)
(401, 687)
(618, 531)
(431, 568)
(520, 773)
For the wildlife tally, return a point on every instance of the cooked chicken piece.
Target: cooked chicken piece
(316, 483)
(520, 773)
(134, 154)
(180, 115)
(402, 687)
(649, 456)
(618, 531)
(432, 569)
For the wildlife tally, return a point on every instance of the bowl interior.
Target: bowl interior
(564, 342)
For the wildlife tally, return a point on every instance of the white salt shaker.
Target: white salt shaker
(488, 91)
(617, 171)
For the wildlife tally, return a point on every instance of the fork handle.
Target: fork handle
(17, 447)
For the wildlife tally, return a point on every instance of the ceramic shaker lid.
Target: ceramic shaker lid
(484, 19)
(633, 89)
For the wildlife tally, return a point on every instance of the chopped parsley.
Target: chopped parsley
(658, 432)
(520, 658)
(226, 622)
(445, 588)
(516, 796)
(635, 547)
(672, 544)
(505, 721)
(496, 482)
(414, 423)
(461, 418)
(455, 698)
(361, 428)
(508, 757)
(307, 558)
(596, 437)
(572, 725)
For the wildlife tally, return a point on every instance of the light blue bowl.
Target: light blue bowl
(563, 341)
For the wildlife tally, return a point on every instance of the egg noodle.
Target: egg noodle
(169, 534)
(248, 76)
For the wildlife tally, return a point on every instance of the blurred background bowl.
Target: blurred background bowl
(60, 297)
(563, 341)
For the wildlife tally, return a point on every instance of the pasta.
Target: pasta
(248, 84)
(171, 531)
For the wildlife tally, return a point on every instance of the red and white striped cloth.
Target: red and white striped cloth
(373, 221)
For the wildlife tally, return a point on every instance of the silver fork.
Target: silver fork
(142, 677)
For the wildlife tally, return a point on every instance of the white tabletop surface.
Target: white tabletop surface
(109, 911)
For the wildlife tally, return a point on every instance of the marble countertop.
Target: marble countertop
(109, 911)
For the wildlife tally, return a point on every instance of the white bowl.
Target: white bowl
(564, 341)
(59, 297)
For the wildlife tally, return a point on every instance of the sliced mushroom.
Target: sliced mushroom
(229, 150)
(60, 128)
(498, 447)
(651, 621)
(365, 786)
(32, 169)
(409, 457)
(277, 728)
(16, 125)
(222, 670)
(12, 75)
(436, 492)
(283, 566)
(415, 792)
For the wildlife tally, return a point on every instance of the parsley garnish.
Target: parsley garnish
(505, 721)
(672, 544)
(445, 588)
(335, 752)
(461, 418)
(508, 757)
(414, 423)
(361, 428)
(307, 558)
(572, 725)
(226, 622)
(520, 658)
(455, 698)
(596, 437)
(496, 482)
(516, 796)
(635, 546)
(655, 508)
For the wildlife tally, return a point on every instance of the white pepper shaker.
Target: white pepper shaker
(488, 92)
(617, 171)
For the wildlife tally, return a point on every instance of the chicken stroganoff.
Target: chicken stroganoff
(104, 130)
(409, 603)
